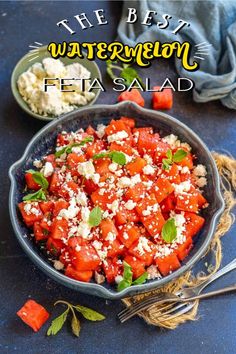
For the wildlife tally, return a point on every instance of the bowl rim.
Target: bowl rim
(98, 289)
(22, 103)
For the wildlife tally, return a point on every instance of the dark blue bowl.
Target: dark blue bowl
(43, 142)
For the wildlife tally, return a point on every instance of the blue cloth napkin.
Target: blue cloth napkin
(212, 22)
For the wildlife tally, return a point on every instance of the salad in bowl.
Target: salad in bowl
(118, 205)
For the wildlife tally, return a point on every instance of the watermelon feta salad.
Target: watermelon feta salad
(118, 204)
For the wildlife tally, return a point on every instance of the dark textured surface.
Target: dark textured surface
(21, 25)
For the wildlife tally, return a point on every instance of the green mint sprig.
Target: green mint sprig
(59, 321)
(39, 178)
(127, 280)
(68, 149)
(39, 195)
(178, 156)
(126, 72)
(115, 156)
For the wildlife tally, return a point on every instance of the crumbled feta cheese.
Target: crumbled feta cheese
(102, 253)
(124, 182)
(81, 198)
(146, 212)
(163, 251)
(27, 208)
(68, 177)
(136, 135)
(148, 159)
(99, 278)
(71, 212)
(35, 211)
(121, 135)
(186, 146)
(100, 130)
(86, 169)
(200, 170)
(125, 236)
(148, 184)
(143, 245)
(153, 272)
(118, 173)
(102, 191)
(77, 150)
(135, 179)
(105, 214)
(128, 158)
(172, 140)
(72, 231)
(97, 244)
(113, 167)
(77, 248)
(114, 206)
(37, 163)
(96, 178)
(48, 169)
(148, 170)
(201, 182)
(53, 67)
(26, 79)
(130, 205)
(110, 236)
(85, 212)
(53, 102)
(58, 265)
(118, 279)
(180, 226)
(182, 187)
(184, 169)
(84, 230)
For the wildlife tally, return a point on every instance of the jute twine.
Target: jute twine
(227, 169)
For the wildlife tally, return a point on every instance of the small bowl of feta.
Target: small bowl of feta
(48, 88)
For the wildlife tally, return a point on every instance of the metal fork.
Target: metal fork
(175, 308)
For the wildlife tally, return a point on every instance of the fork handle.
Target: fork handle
(228, 268)
(225, 290)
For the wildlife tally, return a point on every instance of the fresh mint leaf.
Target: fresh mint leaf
(100, 156)
(129, 74)
(89, 314)
(111, 67)
(179, 155)
(118, 157)
(169, 231)
(95, 216)
(169, 154)
(68, 149)
(166, 164)
(123, 284)
(39, 178)
(57, 323)
(141, 279)
(127, 277)
(124, 71)
(127, 274)
(75, 325)
(39, 195)
(115, 156)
